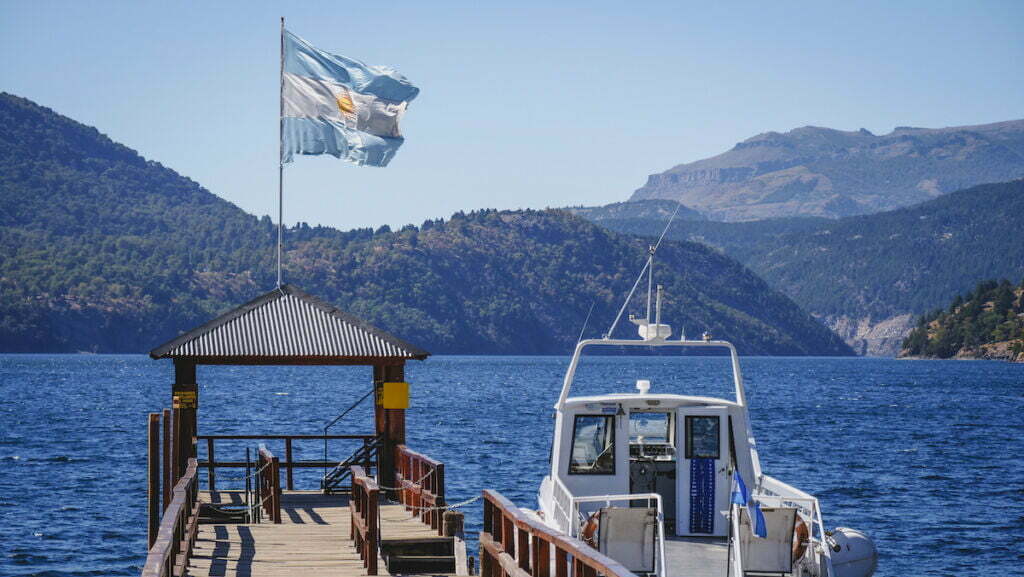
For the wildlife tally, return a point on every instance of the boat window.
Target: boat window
(654, 427)
(593, 445)
(703, 439)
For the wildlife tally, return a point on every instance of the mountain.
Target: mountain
(813, 171)
(987, 323)
(868, 276)
(106, 251)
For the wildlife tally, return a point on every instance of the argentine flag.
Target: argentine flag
(338, 106)
(740, 496)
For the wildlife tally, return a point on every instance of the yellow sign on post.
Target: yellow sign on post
(185, 400)
(396, 396)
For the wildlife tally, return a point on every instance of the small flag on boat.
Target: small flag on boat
(334, 105)
(740, 496)
(757, 519)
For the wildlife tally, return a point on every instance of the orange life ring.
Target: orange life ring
(800, 538)
(589, 532)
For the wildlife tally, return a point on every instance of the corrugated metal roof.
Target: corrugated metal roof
(287, 324)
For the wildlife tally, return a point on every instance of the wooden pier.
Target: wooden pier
(313, 538)
(380, 509)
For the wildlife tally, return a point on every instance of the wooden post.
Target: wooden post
(176, 469)
(153, 509)
(211, 477)
(542, 566)
(275, 500)
(187, 391)
(372, 515)
(438, 490)
(288, 462)
(168, 480)
(453, 524)
(390, 423)
(523, 549)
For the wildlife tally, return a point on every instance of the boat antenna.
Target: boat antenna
(649, 270)
(587, 320)
(650, 281)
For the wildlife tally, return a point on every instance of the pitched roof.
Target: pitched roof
(287, 326)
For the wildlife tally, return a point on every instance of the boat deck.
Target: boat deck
(697, 556)
(312, 539)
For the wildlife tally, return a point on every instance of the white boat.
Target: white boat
(651, 478)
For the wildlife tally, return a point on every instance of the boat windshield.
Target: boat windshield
(654, 427)
(593, 446)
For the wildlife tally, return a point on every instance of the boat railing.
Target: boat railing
(609, 499)
(513, 544)
(735, 543)
(172, 547)
(564, 514)
(571, 517)
(772, 491)
(364, 506)
(420, 486)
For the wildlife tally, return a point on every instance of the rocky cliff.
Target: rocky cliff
(871, 337)
(813, 171)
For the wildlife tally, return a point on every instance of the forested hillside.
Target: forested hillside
(106, 251)
(860, 271)
(637, 210)
(986, 323)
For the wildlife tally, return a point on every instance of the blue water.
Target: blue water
(925, 456)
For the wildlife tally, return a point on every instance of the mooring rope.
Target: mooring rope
(421, 479)
(248, 510)
(419, 510)
(249, 476)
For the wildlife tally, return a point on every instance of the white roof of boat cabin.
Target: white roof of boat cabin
(668, 399)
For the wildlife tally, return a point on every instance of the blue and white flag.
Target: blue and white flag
(740, 496)
(338, 106)
(757, 520)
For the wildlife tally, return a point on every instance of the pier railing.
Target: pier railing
(172, 547)
(420, 483)
(364, 505)
(269, 468)
(514, 545)
(289, 464)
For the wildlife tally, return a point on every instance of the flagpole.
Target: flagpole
(280, 161)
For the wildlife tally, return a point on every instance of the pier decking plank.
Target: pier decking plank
(313, 538)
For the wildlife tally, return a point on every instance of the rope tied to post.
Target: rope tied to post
(417, 482)
(249, 476)
(419, 510)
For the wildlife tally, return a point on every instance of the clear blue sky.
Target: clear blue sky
(523, 104)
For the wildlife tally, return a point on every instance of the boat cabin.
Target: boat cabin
(684, 449)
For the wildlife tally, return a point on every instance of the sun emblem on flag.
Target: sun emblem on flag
(345, 105)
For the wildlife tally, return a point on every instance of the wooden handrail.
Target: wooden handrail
(170, 552)
(270, 483)
(420, 482)
(282, 437)
(289, 464)
(364, 506)
(514, 545)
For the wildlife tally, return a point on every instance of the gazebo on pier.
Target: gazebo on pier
(346, 529)
(286, 326)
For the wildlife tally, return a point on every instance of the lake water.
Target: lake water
(927, 457)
